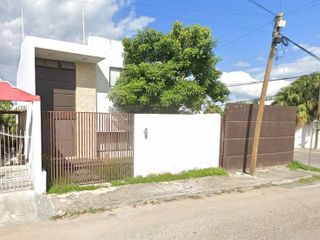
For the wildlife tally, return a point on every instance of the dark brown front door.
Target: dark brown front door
(55, 84)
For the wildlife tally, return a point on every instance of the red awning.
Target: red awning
(10, 93)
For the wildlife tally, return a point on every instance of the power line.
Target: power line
(257, 82)
(213, 9)
(233, 10)
(303, 7)
(193, 19)
(280, 5)
(262, 7)
(268, 98)
(169, 16)
(245, 35)
(284, 38)
(306, 23)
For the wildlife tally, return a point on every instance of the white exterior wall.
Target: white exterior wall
(33, 147)
(26, 75)
(33, 47)
(174, 143)
(114, 58)
(303, 137)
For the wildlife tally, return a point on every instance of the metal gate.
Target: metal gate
(13, 169)
(84, 148)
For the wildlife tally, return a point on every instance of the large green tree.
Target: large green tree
(169, 73)
(303, 93)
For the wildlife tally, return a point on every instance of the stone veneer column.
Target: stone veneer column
(86, 93)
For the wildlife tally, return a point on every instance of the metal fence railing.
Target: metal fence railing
(84, 148)
(13, 171)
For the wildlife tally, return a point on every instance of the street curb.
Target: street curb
(174, 197)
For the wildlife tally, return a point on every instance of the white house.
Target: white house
(76, 78)
(70, 76)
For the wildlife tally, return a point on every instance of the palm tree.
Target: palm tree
(302, 93)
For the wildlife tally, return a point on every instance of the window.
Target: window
(67, 65)
(114, 74)
(40, 62)
(46, 63)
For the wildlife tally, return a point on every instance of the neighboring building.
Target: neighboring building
(304, 135)
(70, 76)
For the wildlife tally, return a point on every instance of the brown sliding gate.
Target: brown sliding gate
(83, 148)
(276, 141)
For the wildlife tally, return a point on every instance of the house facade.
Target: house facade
(70, 76)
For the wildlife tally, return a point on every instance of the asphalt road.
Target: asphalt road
(270, 213)
(303, 156)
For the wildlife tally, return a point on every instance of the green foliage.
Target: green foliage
(65, 188)
(168, 73)
(309, 180)
(7, 120)
(303, 93)
(211, 107)
(165, 177)
(295, 165)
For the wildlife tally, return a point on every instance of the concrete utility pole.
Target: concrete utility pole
(256, 138)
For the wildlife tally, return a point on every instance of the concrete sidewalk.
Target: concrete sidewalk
(140, 194)
(26, 206)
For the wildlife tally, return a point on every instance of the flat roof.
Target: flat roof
(65, 51)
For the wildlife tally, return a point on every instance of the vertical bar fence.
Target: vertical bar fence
(86, 147)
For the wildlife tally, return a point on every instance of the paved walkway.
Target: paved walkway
(140, 194)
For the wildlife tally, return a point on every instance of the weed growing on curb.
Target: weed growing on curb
(309, 180)
(295, 165)
(65, 188)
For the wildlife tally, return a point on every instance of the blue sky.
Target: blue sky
(243, 60)
(231, 19)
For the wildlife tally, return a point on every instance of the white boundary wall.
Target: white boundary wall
(174, 143)
(33, 147)
(303, 137)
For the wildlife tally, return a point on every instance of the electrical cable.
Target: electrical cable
(213, 10)
(192, 19)
(268, 98)
(262, 7)
(302, 7)
(233, 10)
(244, 35)
(257, 82)
(284, 38)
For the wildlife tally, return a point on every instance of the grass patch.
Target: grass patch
(166, 177)
(65, 188)
(309, 180)
(295, 165)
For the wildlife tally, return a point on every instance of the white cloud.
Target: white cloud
(62, 20)
(245, 92)
(303, 65)
(255, 70)
(241, 64)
